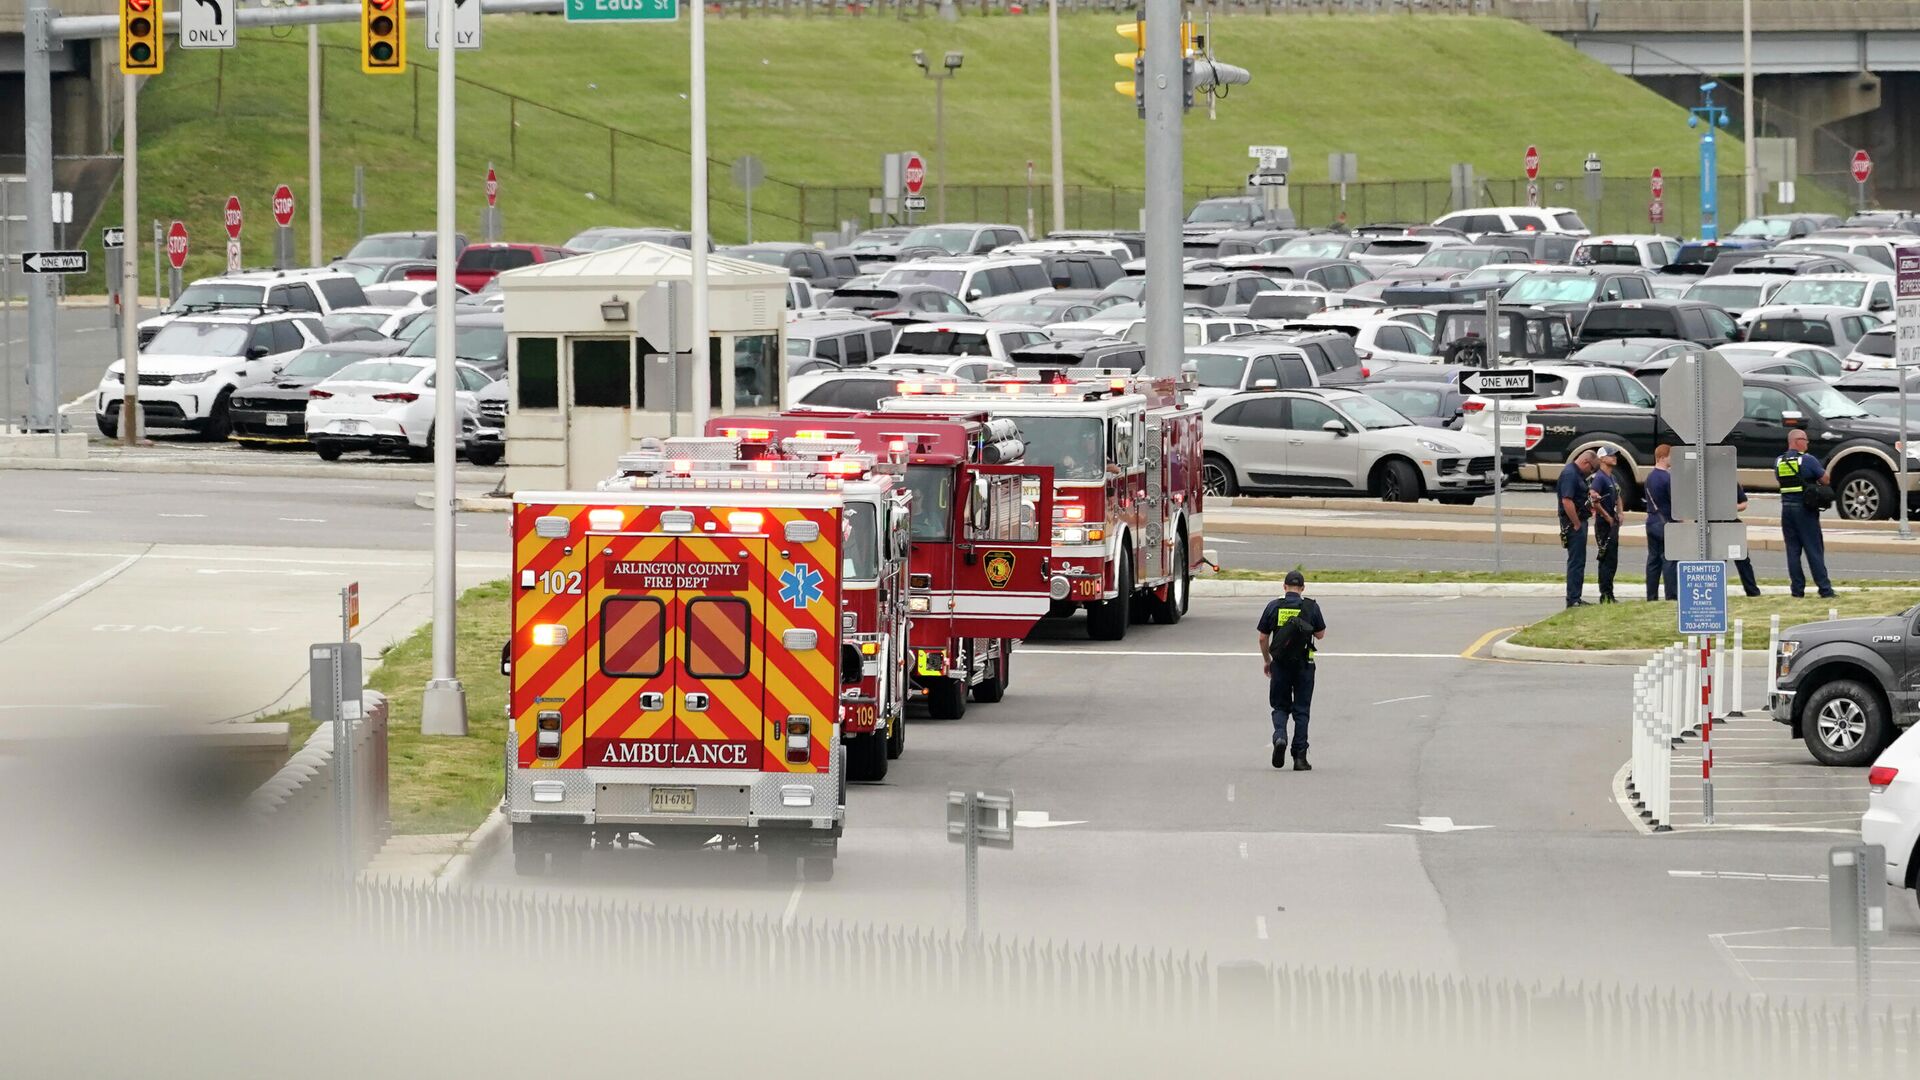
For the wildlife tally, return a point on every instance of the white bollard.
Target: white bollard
(1739, 649)
(1720, 675)
(1773, 658)
(1692, 667)
(1676, 694)
(1833, 614)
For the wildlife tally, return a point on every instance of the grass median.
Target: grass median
(441, 784)
(1651, 626)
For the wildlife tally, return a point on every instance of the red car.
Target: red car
(479, 262)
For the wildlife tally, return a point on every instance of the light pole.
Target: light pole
(1053, 87)
(951, 66)
(1715, 117)
(1751, 205)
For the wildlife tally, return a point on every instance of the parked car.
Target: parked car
(848, 342)
(1229, 367)
(1816, 360)
(1321, 245)
(1892, 820)
(1647, 251)
(480, 262)
(1844, 686)
(1833, 327)
(191, 367)
(804, 261)
(966, 369)
(408, 294)
(991, 339)
(851, 391)
(381, 271)
(479, 340)
(1334, 275)
(1888, 405)
(1442, 261)
(1103, 352)
(897, 303)
(1795, 263)
(1237, 212)
(602, 237)
(380, 321)
(275, 411)
(1874, 351)
(973, 278)
(1393, 252)
(1883, 380)
(1632, 354)
(1066, 305)
(1556, 387)
(316, 292)
(1227, 292)
(1254, 241)
(1736, 294)
(964, 238)
(1875, 244)
(1338, 441)
(1862, 292)
(1377, 336)
(387, 405)
(1778, 227)
(1543, 248)
(1435, 404)
(1512, 219)
(1684, 320)
(1574, 289)
(406, 244)
(1526, 333)
(1330, 353)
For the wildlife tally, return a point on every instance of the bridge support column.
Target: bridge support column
(1800, 105)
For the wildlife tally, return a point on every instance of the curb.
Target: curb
(1482, 510)
(1506, 650)
(1519, 534)
(177, 466)
(1270, 589)
(467, 504)
(480, 844)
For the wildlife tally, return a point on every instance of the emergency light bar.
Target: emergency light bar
(819, 446)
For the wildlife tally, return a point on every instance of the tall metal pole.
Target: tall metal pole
(443, 711)
(6, 289)
(940, 145)
(1499, 451)
(42, 390)
(130, 266)
(1905, 375)
(317, 256)
(702, 342)
(1752, 204)
(1165, 100)
(1058, 165)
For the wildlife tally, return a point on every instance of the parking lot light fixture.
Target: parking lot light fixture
(949, 67)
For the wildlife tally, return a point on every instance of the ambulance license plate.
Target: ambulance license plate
(672, 800)
(276, 419)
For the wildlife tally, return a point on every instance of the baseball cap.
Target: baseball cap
(1608, 450)
(1296, 578)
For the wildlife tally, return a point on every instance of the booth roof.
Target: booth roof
(640, 264)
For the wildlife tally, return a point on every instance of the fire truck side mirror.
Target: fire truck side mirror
(506, 658)
(850, 664)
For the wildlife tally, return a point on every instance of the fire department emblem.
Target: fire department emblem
(999, 567)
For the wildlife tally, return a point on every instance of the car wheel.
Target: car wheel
(1864, 495)
(219, 421)
(108, 428)
(423, 453)
(485, 459)
(1217, 475)
(327, 451)
(1844, 724)
(1399, 482)
(1456, 500)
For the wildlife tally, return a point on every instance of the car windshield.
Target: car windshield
(363, 273)
(400, 297)
(1027, 313)
(1831, 404)
(320, 363)
(393, 247)
(1210, 295)
(951, 241)
(1815, 291)
(380, 371)
(768, 258)
(1071, 444)
(1315, 247)
(1455, 258)
(1875, 344)
(1569, 221)
(481, 344)
(1221, 212)
(1810, 331)
(207, 294)
(930, 515)
(863, 300)
(1464, 324)
(945, 280)
(347, 320)
(1499, 274)
(1887, 405)
(1406, 400)
(1768, 228)
(1732, 297)
(943, 343)
(185, 338)
(1372, 415)
(1217, 370)
(1618, 352)
(1551, 289)
(862, 548)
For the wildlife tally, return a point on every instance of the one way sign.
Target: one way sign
(54, 262)
(1506, 382)
(466, 24)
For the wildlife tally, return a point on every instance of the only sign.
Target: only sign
(1533, 162)
(1659, 185)
(916, 174)
(1862, 166)
(283, 205)
(177, 244)
(493, 187)
(234, 218)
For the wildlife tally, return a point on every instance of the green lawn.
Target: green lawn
(820, 99)
(1455, 577)
(1651, 626)
(442, 784)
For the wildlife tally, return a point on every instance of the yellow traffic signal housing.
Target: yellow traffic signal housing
(1136, 32)
(383, 37)
(141, 48)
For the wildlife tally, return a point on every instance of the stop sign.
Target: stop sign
(233, 217)
(916, 174)
(493, 186)
(177, 244)
(1533, 162)
(1659, 185)
(1862, 166)
(283, 205)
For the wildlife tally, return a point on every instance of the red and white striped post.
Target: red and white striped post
(1706, 729)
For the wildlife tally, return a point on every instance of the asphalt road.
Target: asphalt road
(1153, 817)
(84, 345)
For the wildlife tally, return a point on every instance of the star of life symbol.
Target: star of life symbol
(800, 586)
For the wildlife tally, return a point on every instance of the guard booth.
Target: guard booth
(588, 359)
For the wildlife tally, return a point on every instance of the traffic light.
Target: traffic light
(1135, 61)
(383, 37)
(141, 51)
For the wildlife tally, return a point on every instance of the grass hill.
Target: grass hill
(588, 124)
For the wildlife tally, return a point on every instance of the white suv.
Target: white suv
(192, 365)
(1515, 219)
(316, 291)
(974, 278)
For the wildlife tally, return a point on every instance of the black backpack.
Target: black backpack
(1292, 638)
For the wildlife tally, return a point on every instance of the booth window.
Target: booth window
(713, 373)
(756, 370)
(537, 374)
(600, 372)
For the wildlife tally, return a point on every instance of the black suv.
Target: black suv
(1848, 687)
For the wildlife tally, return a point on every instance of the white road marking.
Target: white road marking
(1397, 700)
(1438, 825)
(183, 515)
(61, 510)
(793, 904)
(1226, 540)
(1260, 927)
(270, 570)
(1743, 875)
(104, 706)
(1038, 819)
(18, 565)
(1243, 849)
(306, 521)
(177, 556)
(1026, 650)
(65, 598)
(1229, 792)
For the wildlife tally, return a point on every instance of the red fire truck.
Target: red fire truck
(681, 641)
(1126, 456)
(980, 576)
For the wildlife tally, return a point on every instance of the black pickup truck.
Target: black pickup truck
(1850, 686)
(1858, 448)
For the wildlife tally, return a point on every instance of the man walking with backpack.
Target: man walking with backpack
(1288, 628)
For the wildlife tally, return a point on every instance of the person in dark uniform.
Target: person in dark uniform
(1286, 652)
(1659, 497)
(1800, 523)
(1575, 509)
(1606, 521)
(1748, 583)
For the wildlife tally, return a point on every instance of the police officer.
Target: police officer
(1659, 497)
(1800, 523)
(1606, 520)
(1744, 565)
(1289, 666)
(1575, 509)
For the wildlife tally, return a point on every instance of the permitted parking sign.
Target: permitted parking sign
(1703, 596)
